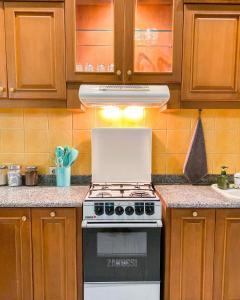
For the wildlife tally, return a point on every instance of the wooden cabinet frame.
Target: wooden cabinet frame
(3, 69)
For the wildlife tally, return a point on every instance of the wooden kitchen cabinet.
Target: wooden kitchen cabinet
(153, 41)
(15, 254)
(54, 254)
(124, 41)
(211, 54)
(3, 70)
(190, 254)
(35, 50)
(227, 249)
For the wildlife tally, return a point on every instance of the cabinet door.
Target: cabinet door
(94, 35)
(211, 53)
(35, 50)
(153, 35)
(15, 254)
(227, 253)
(54, 254)
(191, 254)
(3, 74)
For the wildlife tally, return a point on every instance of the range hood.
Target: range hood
(141, 95)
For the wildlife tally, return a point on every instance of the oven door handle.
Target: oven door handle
(155, 224)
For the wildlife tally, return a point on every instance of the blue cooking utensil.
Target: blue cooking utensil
(73, 156)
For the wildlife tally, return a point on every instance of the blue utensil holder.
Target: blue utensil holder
(63, 176)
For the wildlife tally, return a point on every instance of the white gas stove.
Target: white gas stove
(121, 218)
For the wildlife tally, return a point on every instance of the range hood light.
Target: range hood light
(133, 112)
(111, 112)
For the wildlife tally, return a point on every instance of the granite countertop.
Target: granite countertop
(176, 196)
(42, 196)
(188, 196)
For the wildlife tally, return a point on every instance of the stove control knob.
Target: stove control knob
(139, 208)
(119, 210)
(129, 210)
(109, 209)
(149, 209)
(99, 209)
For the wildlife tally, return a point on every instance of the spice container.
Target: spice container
(14, 175)
(31, 176)
(3, 175)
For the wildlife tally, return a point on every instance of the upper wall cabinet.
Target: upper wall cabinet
(153, 41)
(133, 41)
(35, 50)
(211, 53)
(3, 74)
(94, 35)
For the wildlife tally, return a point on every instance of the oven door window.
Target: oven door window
(121, 255)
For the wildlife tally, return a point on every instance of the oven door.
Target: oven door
(120, 252)
(121, 260)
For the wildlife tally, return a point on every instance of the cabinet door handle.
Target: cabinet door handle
(2, 89)
(52, 214)
(195, 214)
(119, 72)
(24, 218)
(129, 73)
(12, 90)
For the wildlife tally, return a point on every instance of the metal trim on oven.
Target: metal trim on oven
(155, 224)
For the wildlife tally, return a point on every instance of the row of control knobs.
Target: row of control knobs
(109, 209)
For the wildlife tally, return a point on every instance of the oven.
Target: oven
(122, 260)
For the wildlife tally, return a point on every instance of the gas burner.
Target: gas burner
(104, 194)
(139, 194)
(105, 187)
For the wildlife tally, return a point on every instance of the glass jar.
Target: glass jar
(31, 176)
(3, 175)
(14, 175)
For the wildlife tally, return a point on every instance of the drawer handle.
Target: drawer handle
(195, 214)
(119, 72)
(52, 214)
(129, 72)
(2, 89)
(12, 90)
(24, 218)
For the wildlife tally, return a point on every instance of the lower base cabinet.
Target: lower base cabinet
(38, 252)
(54, 254)
(191, 254)
(15, 255)
(227, 255)
(202, 254)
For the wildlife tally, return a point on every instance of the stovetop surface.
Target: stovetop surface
(123, 191)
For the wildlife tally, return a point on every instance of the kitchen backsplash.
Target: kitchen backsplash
(29, 136)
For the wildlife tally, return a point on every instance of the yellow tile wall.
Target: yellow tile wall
(29, 136)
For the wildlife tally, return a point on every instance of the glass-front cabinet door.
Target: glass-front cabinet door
(117, 41)
(154, 51)
(97, 31)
